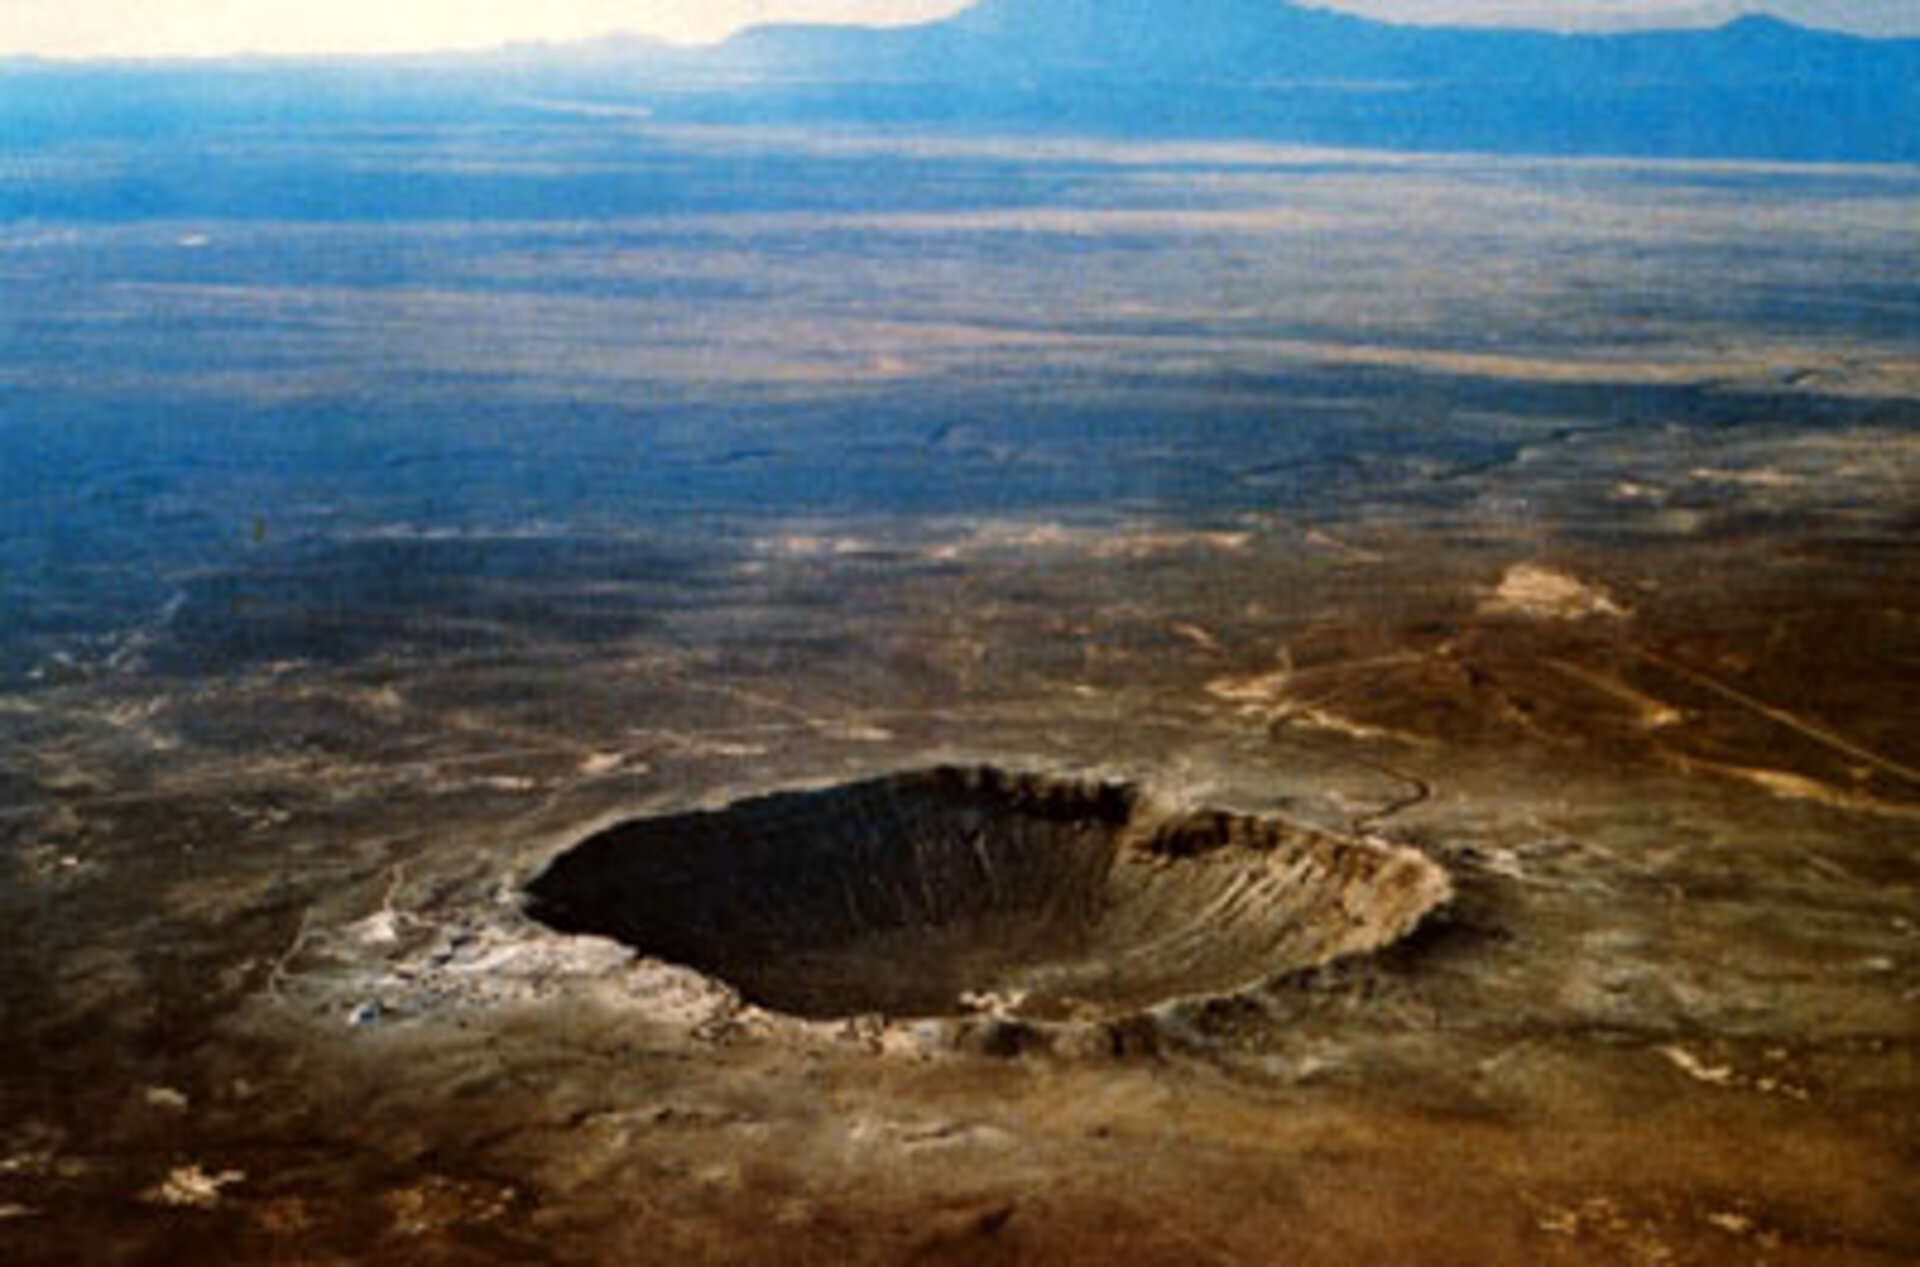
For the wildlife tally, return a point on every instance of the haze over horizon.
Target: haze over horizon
(84, 29)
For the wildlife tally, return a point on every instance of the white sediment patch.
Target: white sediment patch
(852, 731)
(599, 763)
(1728, 1077)
(382, 928)
(1199, 637)
(1258, 690)
(808, 546)
(192, 1188)
(1125, 542)
(1755, 478)
(1699, 1070)
(167, 1099)
(400, 968)
(1536, 593)
(1333, 723)
(1140, 545)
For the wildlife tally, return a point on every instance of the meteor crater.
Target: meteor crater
(948, 891)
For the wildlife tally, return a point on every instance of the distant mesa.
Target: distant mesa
(1265, 40)
(1758, 87)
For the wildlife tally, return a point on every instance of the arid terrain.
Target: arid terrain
(1549, 530)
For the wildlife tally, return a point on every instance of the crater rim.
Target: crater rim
(956, 891)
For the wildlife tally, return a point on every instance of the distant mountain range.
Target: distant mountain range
(1270, 42)
(1755, 88)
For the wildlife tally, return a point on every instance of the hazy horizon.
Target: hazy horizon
(86, 30)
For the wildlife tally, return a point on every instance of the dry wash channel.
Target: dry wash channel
(944, 891)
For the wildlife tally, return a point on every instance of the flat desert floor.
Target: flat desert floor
(370, 540)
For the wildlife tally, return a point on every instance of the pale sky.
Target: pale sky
(137, 28)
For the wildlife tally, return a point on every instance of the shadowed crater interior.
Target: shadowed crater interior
(945, 891)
